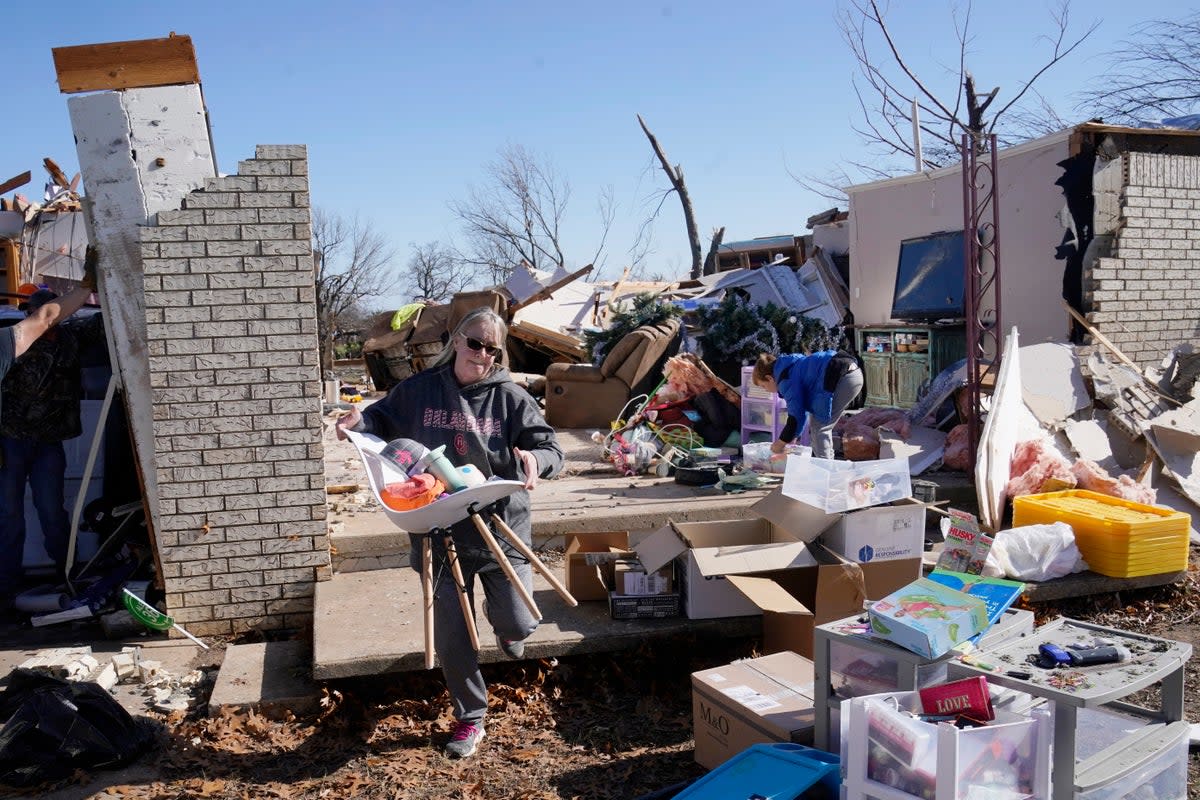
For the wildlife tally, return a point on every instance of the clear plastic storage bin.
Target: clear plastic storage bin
(844, 485)
(890, 753)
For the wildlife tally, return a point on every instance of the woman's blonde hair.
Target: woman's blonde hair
(484, 314)
(764, 368)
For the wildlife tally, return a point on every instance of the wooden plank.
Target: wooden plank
(16, 182)
(1095, 333)
(544, 337)
(126, 65)
(56, 173)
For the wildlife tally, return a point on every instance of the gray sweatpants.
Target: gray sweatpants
(821, 430)
(508, 614)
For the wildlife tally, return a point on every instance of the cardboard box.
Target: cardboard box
(589, 556)
(798, 584)
(647, 606)
(708, 552)
(795, 601)
(631, 578)
(760, 700)
(928, 618)
(879, 533)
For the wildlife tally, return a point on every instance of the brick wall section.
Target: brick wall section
(232, 345)
(1146, 299)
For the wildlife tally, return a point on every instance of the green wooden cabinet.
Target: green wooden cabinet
(899, 359)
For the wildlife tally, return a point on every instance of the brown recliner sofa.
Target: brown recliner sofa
(587, 396)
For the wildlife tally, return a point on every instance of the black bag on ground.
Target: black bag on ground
(718, 417)
(53, 727)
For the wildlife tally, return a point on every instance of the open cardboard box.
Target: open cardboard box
(879, 533)
(591, 581)
(708, 552)
(769, 566)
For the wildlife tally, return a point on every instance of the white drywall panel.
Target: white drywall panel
(119, 138)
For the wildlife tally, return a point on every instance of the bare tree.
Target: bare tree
(1155, 74)
(888, 89)
(679, 187)
(518, 216)
(353, 262)
(434, 273)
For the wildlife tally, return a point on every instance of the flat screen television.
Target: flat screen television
(930, 282)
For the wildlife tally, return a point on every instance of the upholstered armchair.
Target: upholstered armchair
(587, 396)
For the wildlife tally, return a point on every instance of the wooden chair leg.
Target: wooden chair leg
(427, 592)
(463, 599)
(507, 567)
(536, 562)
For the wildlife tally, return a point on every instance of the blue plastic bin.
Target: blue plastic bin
(768, 772)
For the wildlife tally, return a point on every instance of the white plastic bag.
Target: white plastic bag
(1035, 553)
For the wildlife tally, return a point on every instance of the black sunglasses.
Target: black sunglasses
(477, 345)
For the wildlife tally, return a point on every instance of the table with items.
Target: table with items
(1087, 671)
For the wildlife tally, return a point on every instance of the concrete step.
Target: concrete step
(368, 623)
(271, 677)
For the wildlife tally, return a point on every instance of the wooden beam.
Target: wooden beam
(56, 173)
(547, 339)
(126, 65)
(1124, 359)
(16, 182)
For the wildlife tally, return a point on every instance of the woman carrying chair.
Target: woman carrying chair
(467, 401)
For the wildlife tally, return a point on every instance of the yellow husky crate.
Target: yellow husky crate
(1118, 538)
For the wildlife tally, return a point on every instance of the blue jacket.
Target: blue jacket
(801, 382)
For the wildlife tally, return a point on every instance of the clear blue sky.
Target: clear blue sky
(403, 104)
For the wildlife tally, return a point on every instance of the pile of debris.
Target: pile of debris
(1104, 425)
(548, 312)
(147, 678)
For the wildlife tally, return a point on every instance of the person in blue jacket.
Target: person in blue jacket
(821, 385)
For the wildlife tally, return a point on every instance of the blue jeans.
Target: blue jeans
(43, 465)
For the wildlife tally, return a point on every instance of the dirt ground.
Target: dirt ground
(590, 727)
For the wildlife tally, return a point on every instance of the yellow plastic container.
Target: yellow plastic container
(1118, 538)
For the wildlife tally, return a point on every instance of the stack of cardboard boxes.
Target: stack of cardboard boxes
(796, 564)
(602, 566)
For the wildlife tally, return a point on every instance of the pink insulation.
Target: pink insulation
(1033, 463)
(860, 441)
(957, 454)
(1094, 477)
(893, 419)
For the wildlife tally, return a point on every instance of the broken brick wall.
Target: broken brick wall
(1146, 297)
(232, 347)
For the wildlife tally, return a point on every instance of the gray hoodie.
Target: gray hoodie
(479, 424)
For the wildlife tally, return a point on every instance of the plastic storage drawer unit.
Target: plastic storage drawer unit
(1155, 766)
(1118, 538)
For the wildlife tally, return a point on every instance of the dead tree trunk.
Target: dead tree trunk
(710, 261)
(675, 175)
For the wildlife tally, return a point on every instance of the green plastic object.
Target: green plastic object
(145, 613)
(151, 617)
